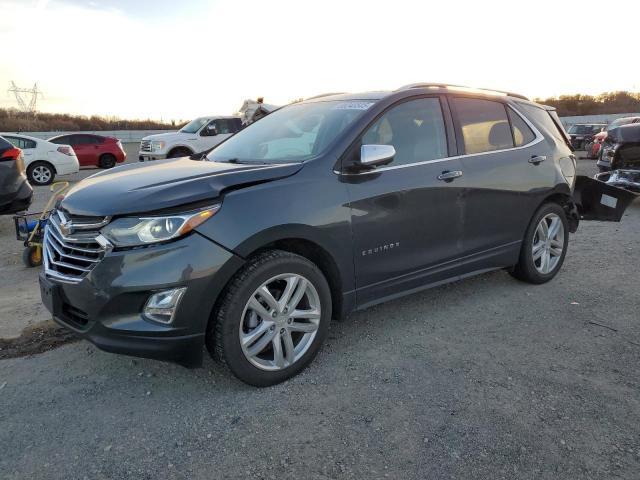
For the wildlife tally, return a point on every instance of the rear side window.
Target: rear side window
(414, 128)
(522, 133)
(23, 143)
(484, 124)
(66, 140)
(95, 140)
(81, 140)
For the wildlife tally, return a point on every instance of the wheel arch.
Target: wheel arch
(33, 163)
(320, 257)
(562, 196)
(307, 242)
(180, 147)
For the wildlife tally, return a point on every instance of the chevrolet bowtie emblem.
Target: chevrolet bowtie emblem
(66, 229)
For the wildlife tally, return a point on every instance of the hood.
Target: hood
(170, 136)
(140, 187)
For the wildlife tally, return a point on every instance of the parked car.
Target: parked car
(15, 191)
(196, 136)
(43, 159)
(621, 149)
(93, 150)
(582, 133)
(320, 208)
(595, 147)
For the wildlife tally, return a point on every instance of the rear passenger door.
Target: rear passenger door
(503, 178)
(405, 216)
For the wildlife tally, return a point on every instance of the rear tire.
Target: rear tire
(41, 173)
(540, 254)
(107, 161)
(265, 340)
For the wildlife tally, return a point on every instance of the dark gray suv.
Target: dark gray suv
(321, 208)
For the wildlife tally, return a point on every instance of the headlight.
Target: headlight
(157, 146)
(134, 231)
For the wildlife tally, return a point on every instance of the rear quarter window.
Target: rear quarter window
(522, 133)
(541, 118)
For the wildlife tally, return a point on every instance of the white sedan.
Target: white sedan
(44, 160)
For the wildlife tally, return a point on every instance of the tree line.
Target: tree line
(12, 120)
(605, 103)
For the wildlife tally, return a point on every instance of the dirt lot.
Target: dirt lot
(485, 378)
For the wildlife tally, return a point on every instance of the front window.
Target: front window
(194, 125)
(414, 128)
(292, 134)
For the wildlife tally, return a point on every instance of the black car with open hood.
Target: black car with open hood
(621, 149)
(323, 207)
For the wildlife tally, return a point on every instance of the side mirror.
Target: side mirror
(209, 131)
(375, 155)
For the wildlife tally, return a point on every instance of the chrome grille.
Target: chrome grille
(145, 146)
(71, 246)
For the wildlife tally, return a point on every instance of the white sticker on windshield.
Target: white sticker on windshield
(353, 106)
(608, 200)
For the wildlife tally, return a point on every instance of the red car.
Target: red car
(94, 150)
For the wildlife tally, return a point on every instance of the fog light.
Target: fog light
(161, 307)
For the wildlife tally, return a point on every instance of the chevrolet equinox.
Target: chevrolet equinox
(323, 207)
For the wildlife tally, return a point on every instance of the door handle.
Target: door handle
(537, 159)
(449, 176)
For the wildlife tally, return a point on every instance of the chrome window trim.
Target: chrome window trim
(538, 138)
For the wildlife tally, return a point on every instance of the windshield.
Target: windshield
(292, 134)
(194, 125)
(618, 122)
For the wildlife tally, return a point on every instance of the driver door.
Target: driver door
(406, 217)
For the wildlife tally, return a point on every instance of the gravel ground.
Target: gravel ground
(484, 378)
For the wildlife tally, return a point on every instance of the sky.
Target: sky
(175, 60)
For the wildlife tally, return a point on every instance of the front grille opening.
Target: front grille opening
(74, 315)
(71, 249)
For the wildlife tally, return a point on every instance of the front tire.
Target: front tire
(41, 173)
(179, 153)
(544, 246)
(272, 318)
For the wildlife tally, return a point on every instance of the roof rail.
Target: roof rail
(447, 85)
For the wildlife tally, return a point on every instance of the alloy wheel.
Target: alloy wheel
(41, 174)
(280, 321)
(548, 243)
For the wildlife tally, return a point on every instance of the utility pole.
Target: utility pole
(21, 93)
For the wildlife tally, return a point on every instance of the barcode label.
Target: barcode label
(609, 201)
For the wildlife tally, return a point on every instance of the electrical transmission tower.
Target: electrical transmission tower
(21, 97)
